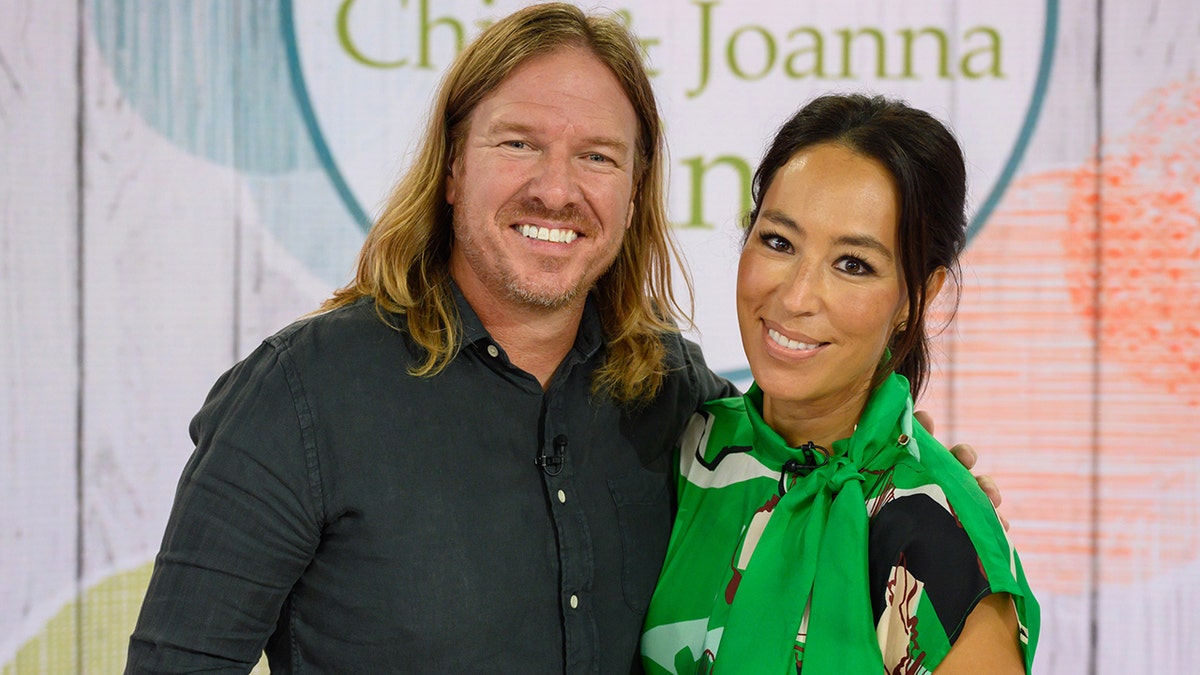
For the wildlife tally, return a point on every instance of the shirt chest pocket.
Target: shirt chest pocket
(643, 503)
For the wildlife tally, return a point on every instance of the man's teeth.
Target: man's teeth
(790, 344)
(547, 234)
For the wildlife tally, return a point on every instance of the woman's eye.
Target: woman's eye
(854, 266)
(597, 157)
(775, 242)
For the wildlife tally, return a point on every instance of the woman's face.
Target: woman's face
(820, 289)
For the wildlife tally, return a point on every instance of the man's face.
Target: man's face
(542, 187)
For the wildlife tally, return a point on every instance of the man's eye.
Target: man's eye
(517, 145)
(597, 157)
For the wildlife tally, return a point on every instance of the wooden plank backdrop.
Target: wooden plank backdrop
(40, 336)
(163, 208)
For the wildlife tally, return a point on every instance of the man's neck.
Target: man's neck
(536, 339)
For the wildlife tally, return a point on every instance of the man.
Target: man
(463, 464)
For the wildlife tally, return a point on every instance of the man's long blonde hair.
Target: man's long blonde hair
(404, 262)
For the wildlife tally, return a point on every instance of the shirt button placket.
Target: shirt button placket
(574, 545)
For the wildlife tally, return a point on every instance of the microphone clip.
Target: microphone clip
(815, 457)
(552, 464)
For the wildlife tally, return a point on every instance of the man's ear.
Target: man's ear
(452, 181)
(632, 207)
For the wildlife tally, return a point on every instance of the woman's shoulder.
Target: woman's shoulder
(937, 548)
(929, 505)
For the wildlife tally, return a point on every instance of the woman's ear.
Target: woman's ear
(933, 285)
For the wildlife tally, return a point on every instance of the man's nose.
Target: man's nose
(555, 184)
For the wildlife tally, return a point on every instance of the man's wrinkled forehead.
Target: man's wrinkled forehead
(501, 82)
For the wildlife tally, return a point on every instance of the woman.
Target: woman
(774, 562)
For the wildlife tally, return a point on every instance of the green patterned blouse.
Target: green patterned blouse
(865, 559)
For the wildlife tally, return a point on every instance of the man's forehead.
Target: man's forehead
(565, 86)
(581, 64)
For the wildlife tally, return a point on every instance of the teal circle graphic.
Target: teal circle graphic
(210, 76)
(304, 102)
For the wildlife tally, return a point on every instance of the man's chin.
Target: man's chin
(548, 299)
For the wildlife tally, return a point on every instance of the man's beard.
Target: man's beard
(507, 281)
(514, 289)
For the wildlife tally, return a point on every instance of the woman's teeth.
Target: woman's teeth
(782, 341)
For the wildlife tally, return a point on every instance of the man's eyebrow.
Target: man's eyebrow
(616, 144)
(857, 240)
(509, 126)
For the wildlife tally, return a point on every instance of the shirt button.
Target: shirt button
(574, 601)
(492, 351)
(562, 497)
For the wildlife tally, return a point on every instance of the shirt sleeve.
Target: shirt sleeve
(244, 525)
(707, 384)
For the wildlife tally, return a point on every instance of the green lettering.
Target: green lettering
(699, 169)
(427, 26)
(848, 37)
(705, 33)
(910, 36)
(343, 32)
(992, 50)
(731, 53)
(816, 50)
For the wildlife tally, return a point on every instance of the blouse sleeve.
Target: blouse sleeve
(925, 578)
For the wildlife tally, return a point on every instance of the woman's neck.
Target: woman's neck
(823, 422)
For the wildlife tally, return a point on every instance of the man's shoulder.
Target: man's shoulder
(680, 349)
(358, 321)
(340, 338)
(686, 365)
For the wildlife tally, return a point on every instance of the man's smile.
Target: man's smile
(557, 235)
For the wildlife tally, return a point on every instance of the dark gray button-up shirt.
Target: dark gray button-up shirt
(350, 518)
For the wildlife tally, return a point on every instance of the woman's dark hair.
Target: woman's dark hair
(927, 167)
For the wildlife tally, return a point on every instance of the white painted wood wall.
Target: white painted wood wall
(132, 273)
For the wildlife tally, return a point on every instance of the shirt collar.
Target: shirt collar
(588, 340)
(472, 327)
